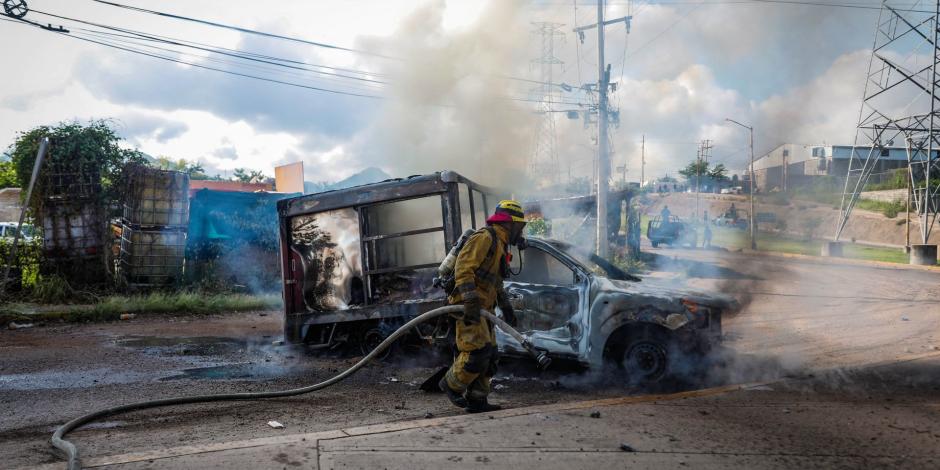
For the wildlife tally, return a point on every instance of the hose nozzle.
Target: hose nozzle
(543, 360)
(540, 355)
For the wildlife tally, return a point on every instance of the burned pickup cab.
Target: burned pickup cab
(578, 306)
(359, 262)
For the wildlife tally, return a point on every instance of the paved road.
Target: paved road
(836, 420)
(798, 317)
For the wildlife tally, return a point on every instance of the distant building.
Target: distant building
(229, 186)
(791, 166)
(10, 204)
(666, 184)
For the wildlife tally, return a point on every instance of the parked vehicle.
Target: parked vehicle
(737, 219)
(8, 230)
(673, 232)
(359, 262)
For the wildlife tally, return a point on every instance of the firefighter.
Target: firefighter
(481, 267)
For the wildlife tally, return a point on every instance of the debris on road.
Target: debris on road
(19, 326)
(627, 448)
(275, 425)
(128, 316)
(905, 319)
(596, 414)
(277, 343)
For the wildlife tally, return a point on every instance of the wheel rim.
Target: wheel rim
(646, 361)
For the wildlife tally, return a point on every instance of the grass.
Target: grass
(112, 307)
(734, 239)
(738, 239)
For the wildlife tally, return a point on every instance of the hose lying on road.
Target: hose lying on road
(71, 452)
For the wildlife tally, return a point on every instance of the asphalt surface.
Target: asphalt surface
(799, 318)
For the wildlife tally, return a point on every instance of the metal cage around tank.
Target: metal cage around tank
(152, 257)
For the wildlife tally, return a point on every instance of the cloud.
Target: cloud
(448, 107)
(226, 153)
(144, 81)
(138, 126)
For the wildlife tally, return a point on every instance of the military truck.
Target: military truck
(671, 231)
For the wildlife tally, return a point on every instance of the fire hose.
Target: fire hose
(71, 452)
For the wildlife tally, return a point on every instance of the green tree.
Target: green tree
(195, 170)
(718, 173)
(92, 151)
(247, 175)
(8, 177)
(694, 169)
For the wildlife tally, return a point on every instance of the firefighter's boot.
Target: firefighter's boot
(456, 398)
(480, 405)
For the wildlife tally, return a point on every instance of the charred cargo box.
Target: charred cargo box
(359, 261)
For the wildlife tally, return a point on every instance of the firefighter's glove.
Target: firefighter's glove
(471, 312)
(509, 315)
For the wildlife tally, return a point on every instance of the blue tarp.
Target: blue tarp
(219, 216)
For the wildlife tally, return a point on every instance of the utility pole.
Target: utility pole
(752, 219)
(643, 161)
(603, 150)
(603, 147)
(704, 147)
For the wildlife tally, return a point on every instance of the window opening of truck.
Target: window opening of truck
(543, 268)
(403, 240)
(479, 209)
(466, 211)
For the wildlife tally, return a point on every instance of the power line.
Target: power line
(205, 47)
(194, 44)
(111, 39)
(266, 34)
(246, 30)
(252, 76)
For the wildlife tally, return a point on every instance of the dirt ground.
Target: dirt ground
(802, 218)
(799, 318)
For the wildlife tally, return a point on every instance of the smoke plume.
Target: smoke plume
(449, 106)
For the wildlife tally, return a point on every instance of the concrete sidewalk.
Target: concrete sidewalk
(886, 416)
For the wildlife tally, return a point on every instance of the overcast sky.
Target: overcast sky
(795, 72)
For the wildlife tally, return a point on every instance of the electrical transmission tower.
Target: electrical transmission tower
(543, 164)
(900, 108)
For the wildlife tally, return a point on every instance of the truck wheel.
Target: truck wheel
(646, 360)
(371, 339)
(655, 244)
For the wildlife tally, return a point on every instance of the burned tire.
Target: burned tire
(646, 361)
(371, 338)
(643, 354)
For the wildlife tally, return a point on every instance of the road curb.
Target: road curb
(842, 261)
(394, 427)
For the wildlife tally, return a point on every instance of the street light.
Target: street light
(752, 219)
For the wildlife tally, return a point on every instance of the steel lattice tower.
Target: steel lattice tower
(543, 163)
(900, 108)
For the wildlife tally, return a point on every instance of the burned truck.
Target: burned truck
(359, 262)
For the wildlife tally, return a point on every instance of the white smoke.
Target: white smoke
(448, 106)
